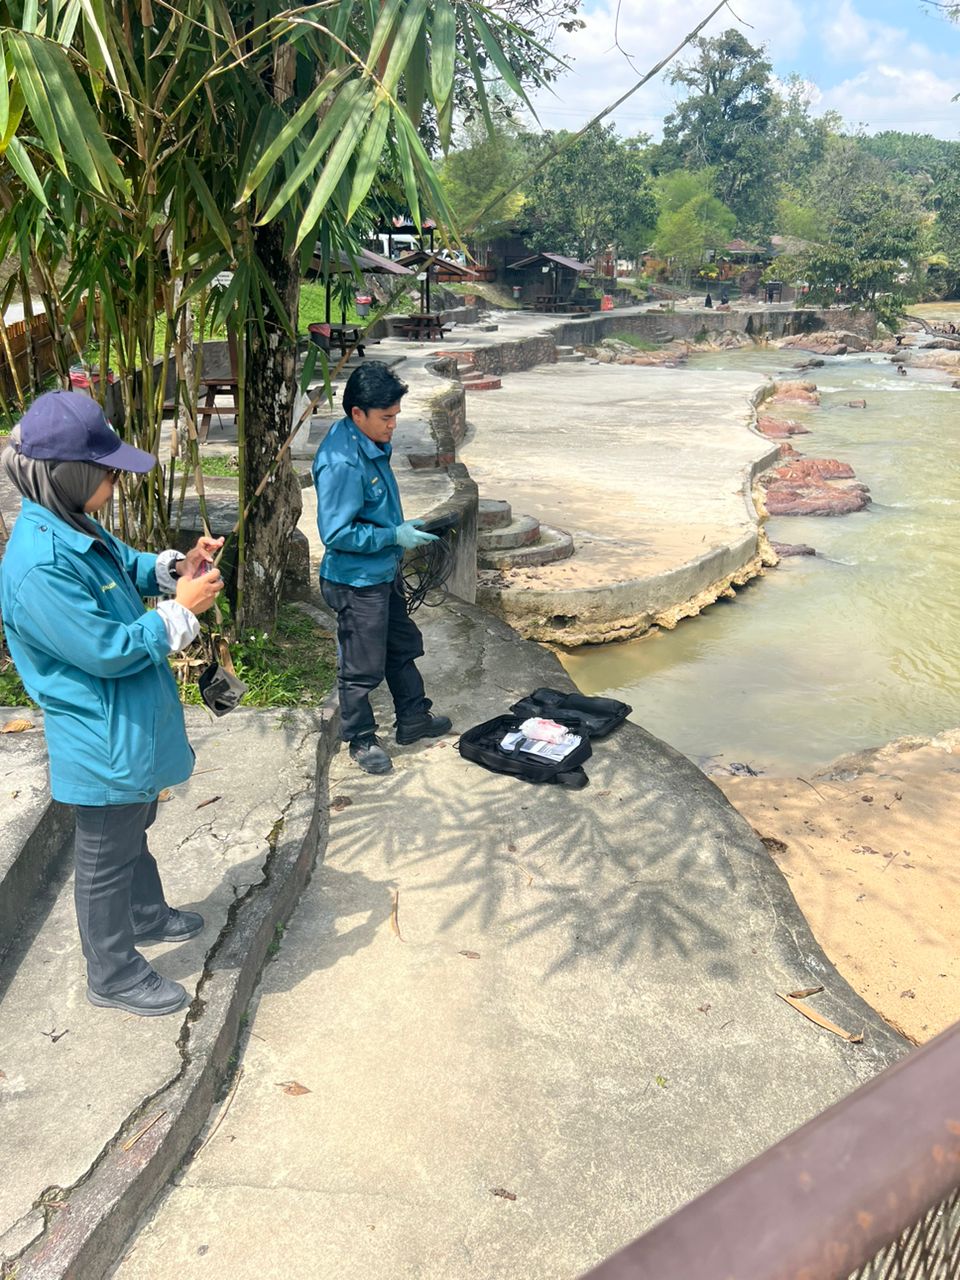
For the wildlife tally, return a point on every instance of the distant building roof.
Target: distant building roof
(421, 257)
(571, 263)
(366, 260)
(741, 246)
(790, 245)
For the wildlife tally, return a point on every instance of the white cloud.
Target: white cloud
(870, 71)
(891, 96)
(615, 49)
(848, 36)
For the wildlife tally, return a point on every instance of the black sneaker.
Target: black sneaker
(370, 755)
(151, 997)
(425, 726)
(177, 927)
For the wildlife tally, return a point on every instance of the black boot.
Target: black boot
(369, 755)
(425, 726)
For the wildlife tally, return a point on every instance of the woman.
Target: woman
(95, 659)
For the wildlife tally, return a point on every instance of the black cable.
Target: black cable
(424, 572)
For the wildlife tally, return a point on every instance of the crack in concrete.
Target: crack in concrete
(51, 1199)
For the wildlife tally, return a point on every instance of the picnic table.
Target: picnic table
(421, 327)
(347, 336)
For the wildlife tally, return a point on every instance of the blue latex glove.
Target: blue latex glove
(409, 535)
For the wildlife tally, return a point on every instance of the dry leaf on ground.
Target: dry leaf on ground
(292, 1087)
(17, 726)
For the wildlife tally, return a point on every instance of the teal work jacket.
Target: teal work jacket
(358, 508)
(94, 659)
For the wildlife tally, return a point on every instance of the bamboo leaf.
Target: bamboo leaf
(22, 48)
(368, 160)
(71, 117)
(22, 166)
(292, 130)
(407, 171)
(97, 45)
(415, 76)
(403, 43)
(209, 205)
(498, 58)
(478, 78)
(383, 32)
(341, 154)
(4, 91)
(309, 364)
(443, 52)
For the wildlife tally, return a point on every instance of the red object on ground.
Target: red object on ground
(606, 302)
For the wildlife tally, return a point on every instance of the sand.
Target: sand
(870, 849)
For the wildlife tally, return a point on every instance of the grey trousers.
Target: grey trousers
(117, 892)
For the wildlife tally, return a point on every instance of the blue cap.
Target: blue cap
(69, 426)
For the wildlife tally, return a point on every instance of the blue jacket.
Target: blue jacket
(94, 659)
(358, 507)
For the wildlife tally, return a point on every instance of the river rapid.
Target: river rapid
(829, 654)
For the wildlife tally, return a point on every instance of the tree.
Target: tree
(156, 166)
(489, 162)
(726, 123)
(594, 193)
(692, 220)
(874, 237)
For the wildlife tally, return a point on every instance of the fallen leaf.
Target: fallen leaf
(908, 995)
(339, 803)
(292, 1087)
(471, 955)
(804, 992)
(820, 1020)
(703, 1008)
(503, 1193)
(213, 800)
(511, 848)
(17, 726)
(395, 914)
(166, 794)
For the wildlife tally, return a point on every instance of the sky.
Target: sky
(882, 64)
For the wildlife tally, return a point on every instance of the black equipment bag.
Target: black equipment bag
(592, 717)
(481, 744)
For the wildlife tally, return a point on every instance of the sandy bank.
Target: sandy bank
(869, 847)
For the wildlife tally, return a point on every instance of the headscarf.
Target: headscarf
(61, 487)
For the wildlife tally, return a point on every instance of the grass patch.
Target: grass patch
(638, 344)
(295, 665)
(486, 289)
(12, 692)
(217, 464)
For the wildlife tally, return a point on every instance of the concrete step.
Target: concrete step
(565, 351)
(575, 357)
(554, 544)
(483, 382)
(522, 531)
(493, 513)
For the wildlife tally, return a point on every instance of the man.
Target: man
(364, 536)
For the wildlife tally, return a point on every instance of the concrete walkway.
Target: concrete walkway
(490, 987)
(648, 468)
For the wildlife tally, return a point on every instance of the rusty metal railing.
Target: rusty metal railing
(869, 1190)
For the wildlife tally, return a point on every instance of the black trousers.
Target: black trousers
(376, 640)
(117, 892)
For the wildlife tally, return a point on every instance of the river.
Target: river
(834, 653)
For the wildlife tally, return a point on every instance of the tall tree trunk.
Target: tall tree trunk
(269, 395)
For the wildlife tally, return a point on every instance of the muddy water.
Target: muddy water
(831, 654)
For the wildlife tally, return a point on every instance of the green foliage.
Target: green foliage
(595, 193)
(472, 174)
(293, 665)
(692, 219)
